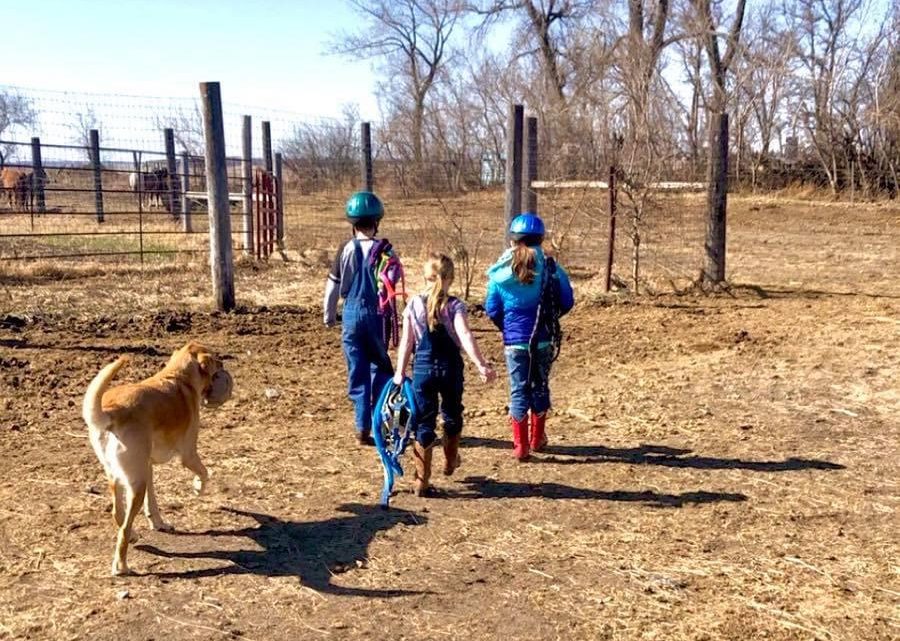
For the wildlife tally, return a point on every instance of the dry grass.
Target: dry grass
(721, 468)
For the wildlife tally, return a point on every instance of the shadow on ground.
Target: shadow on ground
(653, 455)
(481, 487)
(315, 552)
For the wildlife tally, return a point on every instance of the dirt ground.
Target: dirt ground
(721, 467)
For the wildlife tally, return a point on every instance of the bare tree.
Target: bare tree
(411, 38)
(717, 169)
(544, 32)
(186, 124)
(16, 110)
(763, 77)
(81, 124)
(324, 154)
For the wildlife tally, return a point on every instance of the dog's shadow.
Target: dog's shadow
(315, 552)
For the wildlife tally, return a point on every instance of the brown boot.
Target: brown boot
(452, 459)
(422, 457)
(520, 438)
(538, 432)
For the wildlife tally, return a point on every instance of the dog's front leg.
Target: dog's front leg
(151, 507)
(194, 464)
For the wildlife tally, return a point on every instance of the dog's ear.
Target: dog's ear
(209, 364)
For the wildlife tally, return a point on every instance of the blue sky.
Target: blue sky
(264, 52)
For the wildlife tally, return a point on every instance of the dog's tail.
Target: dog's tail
(92, 410)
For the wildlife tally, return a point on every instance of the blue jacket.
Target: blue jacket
(513, 306)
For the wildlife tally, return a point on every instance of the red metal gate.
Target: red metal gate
(265, 193)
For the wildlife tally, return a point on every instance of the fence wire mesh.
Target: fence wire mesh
(451, 202)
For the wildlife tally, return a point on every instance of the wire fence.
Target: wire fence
(139, 200)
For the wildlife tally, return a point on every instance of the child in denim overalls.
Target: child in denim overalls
(435, 327)
(368, 364)
(513, 302)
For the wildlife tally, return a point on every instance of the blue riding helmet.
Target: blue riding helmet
(526, 225)
(364, 205)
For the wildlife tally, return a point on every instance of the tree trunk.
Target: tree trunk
(717, 199)
(418, 127)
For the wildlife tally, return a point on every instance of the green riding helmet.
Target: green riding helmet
(364, 205)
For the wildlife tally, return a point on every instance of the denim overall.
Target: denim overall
(368, 363)
(437, 370)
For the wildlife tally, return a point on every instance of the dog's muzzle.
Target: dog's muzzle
(219, 389)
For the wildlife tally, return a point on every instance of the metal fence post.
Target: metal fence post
(174, 200)
(221, 262)
(530, 165)
(186, 225)
(267, 145)
(611, 245)
(513, 168)
(37, 174)
(368, 179)
(247, 184)
(98, 178)
(279, 202)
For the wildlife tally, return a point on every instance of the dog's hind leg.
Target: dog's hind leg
(134, 498)
(151, 507)
(118, 507)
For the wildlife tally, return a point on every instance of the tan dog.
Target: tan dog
(137, 425)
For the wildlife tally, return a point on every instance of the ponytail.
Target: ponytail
(524, 263)
(439, 275)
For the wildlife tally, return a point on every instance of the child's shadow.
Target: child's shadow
(314, 552)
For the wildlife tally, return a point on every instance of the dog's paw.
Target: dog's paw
(134, 537)
(162, 526)
(122, 570)
(199, 485)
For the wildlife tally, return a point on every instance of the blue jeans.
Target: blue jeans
(368, 364)
(430, 382)
(437, 374)
(529, 380)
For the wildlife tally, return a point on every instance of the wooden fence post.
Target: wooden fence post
(611, 245)
(267, 145)
(513, 168)
(530, 166)
(221, 262)
(186, 225)
(279, 202)
(171, 167)
(716, 200)
(38, 175)
(98, 178)
(247, 184)
(138, 168)
(368, 179)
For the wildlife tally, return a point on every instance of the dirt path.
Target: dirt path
(719, 469)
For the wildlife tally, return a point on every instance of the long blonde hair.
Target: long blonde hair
(524, 263)
(439, 276)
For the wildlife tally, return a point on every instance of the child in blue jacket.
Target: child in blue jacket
(527, 293)
(369, 367)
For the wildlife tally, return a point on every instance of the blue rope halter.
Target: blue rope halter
(392, 419)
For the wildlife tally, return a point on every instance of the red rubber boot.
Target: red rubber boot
(538, 433)
(520, 437)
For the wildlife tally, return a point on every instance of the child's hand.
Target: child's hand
(398, 378)
(487, 373)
